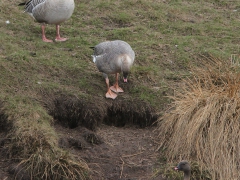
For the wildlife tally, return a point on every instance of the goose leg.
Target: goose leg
(58, 38)
(109, 93)
(44, 36)
(116, 87)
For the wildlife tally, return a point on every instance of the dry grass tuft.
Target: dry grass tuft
(48, 166)
(203, 122)
(32, 143)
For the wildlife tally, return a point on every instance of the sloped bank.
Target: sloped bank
(106, 134)
(32, 147)
(29, 144)
(72, 112)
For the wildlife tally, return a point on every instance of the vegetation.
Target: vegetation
(166, 35)
(204, 124)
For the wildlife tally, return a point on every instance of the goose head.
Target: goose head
(126, 66)
(185, 167)
(125, 75)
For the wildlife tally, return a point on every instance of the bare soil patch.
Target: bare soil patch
(115, 138)
(113, 152)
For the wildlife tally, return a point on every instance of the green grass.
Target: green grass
(166, 37)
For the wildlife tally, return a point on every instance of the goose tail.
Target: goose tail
(22, 4)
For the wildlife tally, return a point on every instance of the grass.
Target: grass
(202, 124)
(166, 37)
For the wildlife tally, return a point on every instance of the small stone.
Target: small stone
(186, 49)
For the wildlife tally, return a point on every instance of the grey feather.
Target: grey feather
(50, 11)
(30, 5)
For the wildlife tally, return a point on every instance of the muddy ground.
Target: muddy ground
(113, 153)
(120, 146)
(126, 153)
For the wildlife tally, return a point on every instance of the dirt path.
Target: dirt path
(114, 153)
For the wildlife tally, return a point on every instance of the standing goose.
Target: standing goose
(113, 57)
(185, 167)
(50, 12)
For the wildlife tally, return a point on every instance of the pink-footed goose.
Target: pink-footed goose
(185, 167)
(113, 57)
(50, 12)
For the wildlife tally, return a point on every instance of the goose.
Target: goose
(185, 167)
(113, 57)
(50, 12)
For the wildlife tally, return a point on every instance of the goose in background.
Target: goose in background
(113, 57)
(50, 12)
(185, 167)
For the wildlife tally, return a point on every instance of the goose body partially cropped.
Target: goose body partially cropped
(50, 12)
(185, 167)
(113, 57)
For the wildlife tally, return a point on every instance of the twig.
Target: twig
(133, 154)
(121, 167)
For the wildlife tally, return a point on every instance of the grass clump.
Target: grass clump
(168, 172)
(203, 121)
(49, 166)
(33, 144)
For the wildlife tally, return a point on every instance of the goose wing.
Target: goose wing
(30, 5)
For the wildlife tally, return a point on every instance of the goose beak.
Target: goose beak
(125, 80)
(176, 168)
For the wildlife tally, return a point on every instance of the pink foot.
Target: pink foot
(59, 39)
(116, 89)
(44, 36)
(47, 40)
(111, 95)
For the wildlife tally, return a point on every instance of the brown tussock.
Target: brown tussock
(203, 123)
